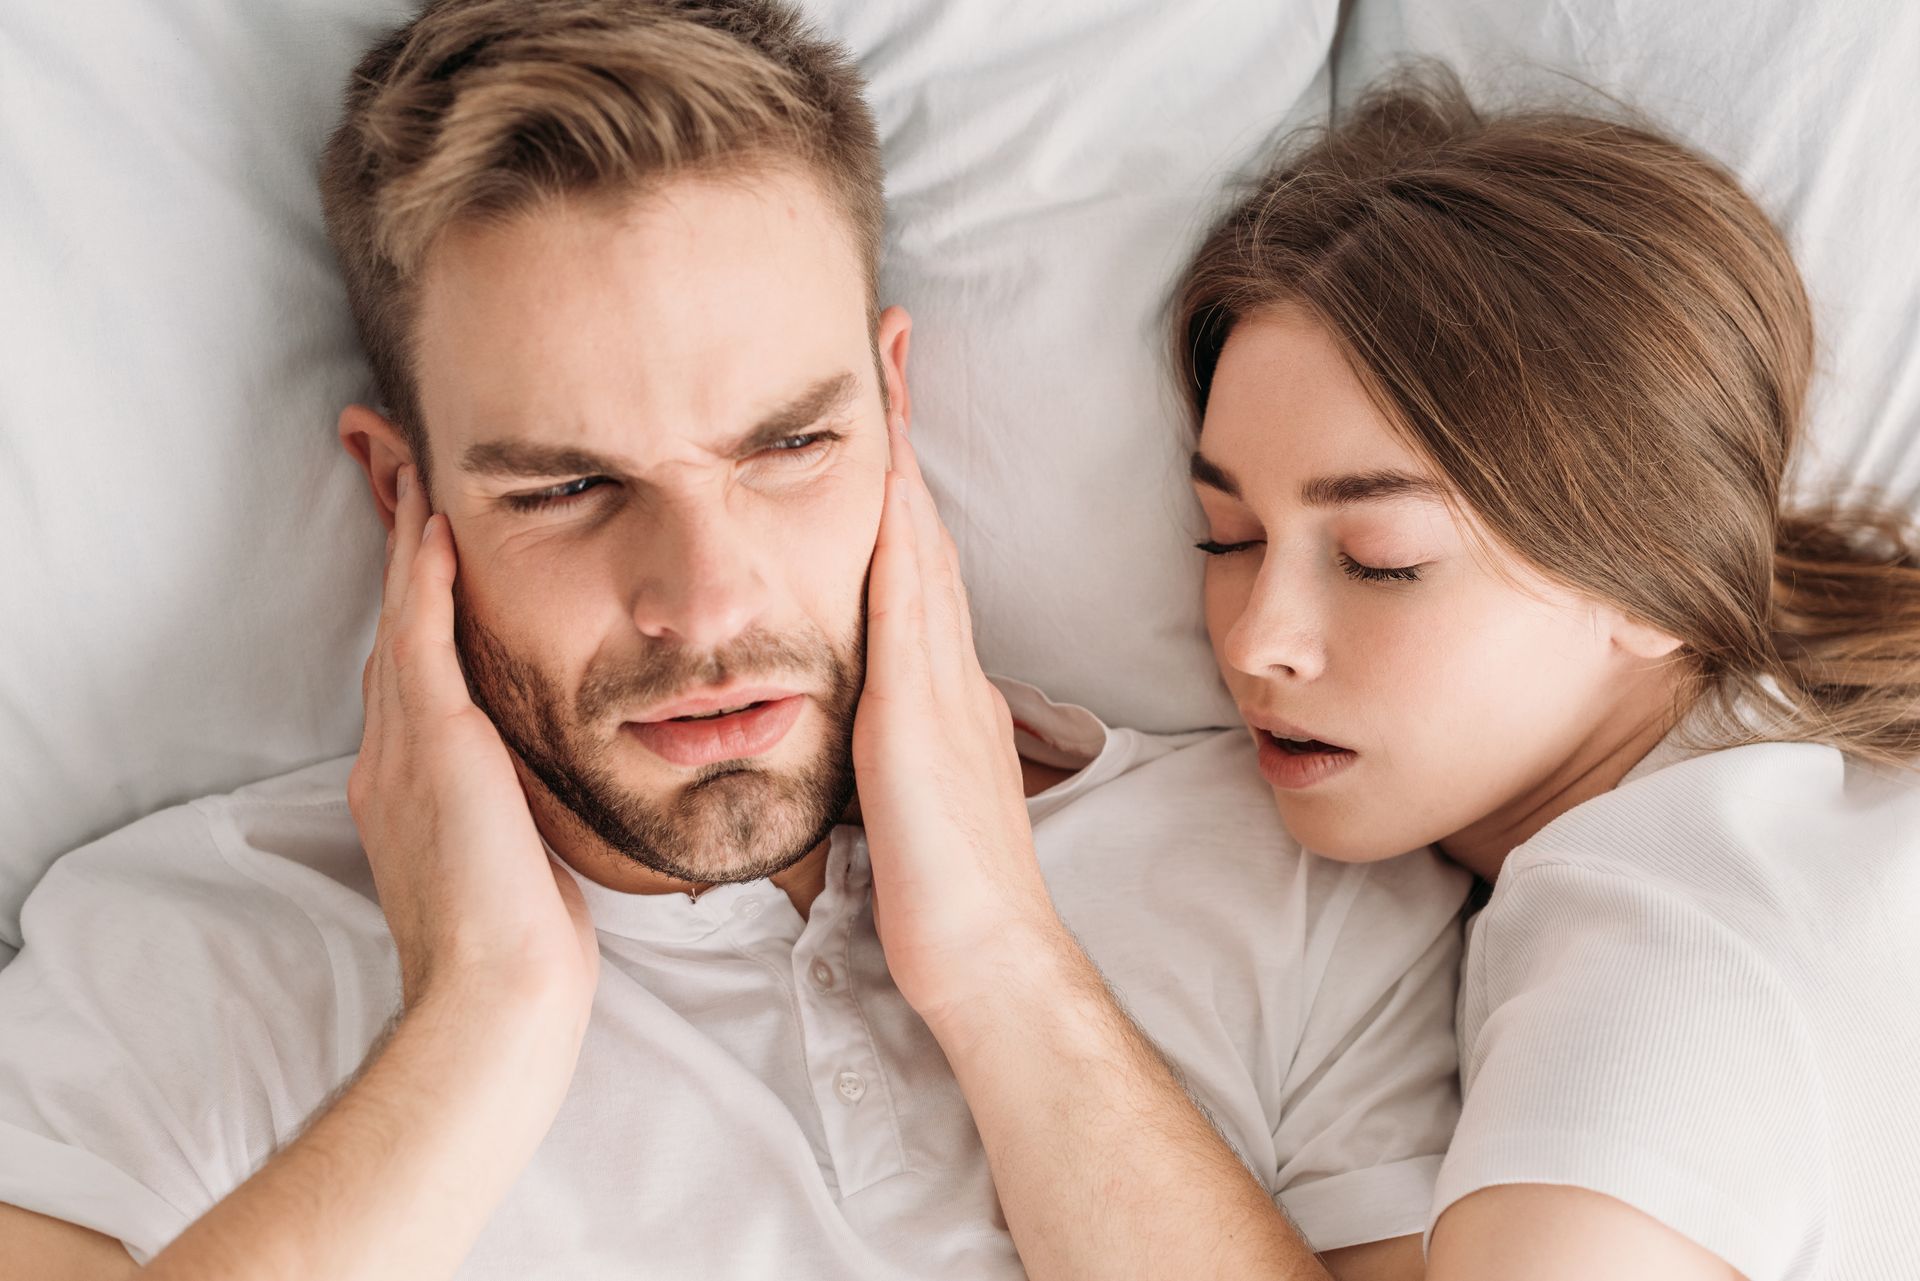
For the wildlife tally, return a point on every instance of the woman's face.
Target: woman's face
(1450, 693)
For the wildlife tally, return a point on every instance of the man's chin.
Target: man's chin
(728, 822)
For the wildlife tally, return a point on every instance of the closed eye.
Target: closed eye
(1348, 565)
(1379, 573)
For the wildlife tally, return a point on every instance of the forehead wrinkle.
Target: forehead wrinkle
(520, 458)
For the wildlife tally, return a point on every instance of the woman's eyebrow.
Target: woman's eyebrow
(1367, 486)
(1204, 471)
(1325, 491)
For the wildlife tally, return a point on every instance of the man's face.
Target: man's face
(657, 428)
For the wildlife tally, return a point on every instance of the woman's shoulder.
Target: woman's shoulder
(1686, 992)
(1732, 892)
(1753, 834)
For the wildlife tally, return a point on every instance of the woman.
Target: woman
(1494, 415)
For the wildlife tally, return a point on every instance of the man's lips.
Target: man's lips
(709, 701)
(736, 736)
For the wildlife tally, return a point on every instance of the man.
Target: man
(583, 965)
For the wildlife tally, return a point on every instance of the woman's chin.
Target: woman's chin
(1333, 835)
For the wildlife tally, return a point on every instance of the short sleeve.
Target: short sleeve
(166, 1023)
(1622, 1039)
(1373, 1090)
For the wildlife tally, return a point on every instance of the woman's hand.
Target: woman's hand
(958, 897)
(474, 903)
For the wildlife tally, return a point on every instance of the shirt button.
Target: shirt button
(851, 1086)
(822, 976)
(748, 909)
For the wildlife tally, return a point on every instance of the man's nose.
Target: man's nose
(702, 582)
(1280, 633)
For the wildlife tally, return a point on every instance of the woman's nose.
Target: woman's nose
(1279, 633)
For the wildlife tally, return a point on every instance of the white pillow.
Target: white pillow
(1813, 105)
(191, 562)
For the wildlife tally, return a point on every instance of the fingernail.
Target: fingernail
(426, 530)
(401, 485)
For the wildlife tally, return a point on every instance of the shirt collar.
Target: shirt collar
(1065, 736)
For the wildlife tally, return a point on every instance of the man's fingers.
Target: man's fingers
(895, 611)
(409, 514)
(937, 566)
(432, 662)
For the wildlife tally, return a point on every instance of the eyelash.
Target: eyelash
(563, 495)
(1348, 565)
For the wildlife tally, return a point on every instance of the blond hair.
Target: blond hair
(1602, 344)
(480, 110)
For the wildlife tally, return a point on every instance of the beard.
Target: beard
(735, 820)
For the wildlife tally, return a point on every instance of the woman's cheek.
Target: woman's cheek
(1224, 599)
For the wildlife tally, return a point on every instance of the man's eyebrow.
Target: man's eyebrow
(514, 459)
(827, 397)
(1325, 491)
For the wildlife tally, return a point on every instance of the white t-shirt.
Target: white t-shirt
(1700, 994)
(753, 1097)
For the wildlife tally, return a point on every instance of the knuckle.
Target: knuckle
(357, 787)
(468, 721)
(404, 647)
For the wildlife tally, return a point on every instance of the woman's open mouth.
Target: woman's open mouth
(1304, 747)
(1296, 763)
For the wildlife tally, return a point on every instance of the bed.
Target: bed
(190, 562)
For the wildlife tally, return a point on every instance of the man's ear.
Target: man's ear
(891, 339)
(377, 445)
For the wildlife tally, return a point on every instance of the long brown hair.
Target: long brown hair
(1603, 345)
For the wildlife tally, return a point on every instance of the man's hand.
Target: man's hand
(1085, 1126)
(958, 897)
(472, 899)
(400, 1173)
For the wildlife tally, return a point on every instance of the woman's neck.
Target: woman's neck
(1633, 727)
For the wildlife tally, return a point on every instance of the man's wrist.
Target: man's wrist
(1024, 980)
(477, 1003)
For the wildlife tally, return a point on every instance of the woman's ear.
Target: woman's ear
(376, 444)
(1641, 640)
